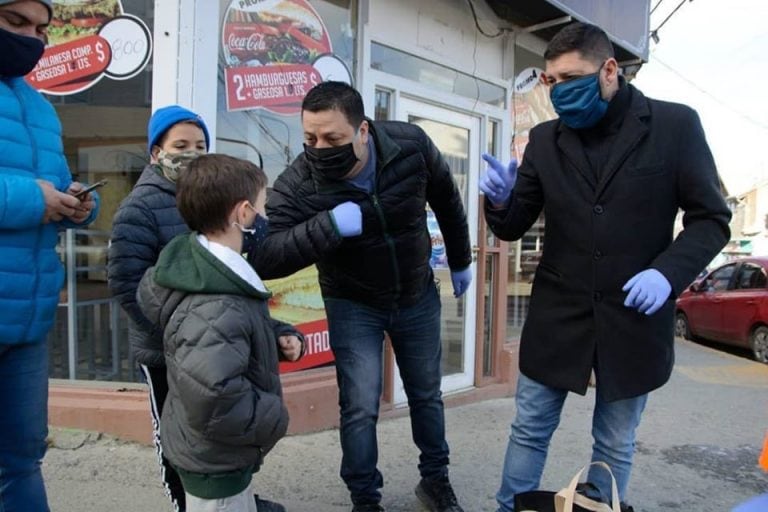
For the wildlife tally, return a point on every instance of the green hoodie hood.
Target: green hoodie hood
(187, 266)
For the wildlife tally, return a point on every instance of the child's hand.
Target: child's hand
(290, 346)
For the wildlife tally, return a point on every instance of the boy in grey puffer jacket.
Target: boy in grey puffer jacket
(224, 409)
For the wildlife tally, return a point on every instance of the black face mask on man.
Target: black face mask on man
(20, 53)
(334, 163)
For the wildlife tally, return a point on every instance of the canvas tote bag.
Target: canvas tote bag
(567, 499)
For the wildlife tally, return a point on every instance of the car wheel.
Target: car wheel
(759, 342)
(682, 329)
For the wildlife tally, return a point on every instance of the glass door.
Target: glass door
(457, 136)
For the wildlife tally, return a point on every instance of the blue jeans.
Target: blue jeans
(23, 426)
(538, 415)
(357, 340)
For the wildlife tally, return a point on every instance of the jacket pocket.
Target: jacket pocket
(646, 170)
(551, 272)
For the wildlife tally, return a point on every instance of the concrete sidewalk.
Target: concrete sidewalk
(697, 451)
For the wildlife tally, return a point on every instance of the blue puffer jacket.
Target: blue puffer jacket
(145, 222)
(31, 273)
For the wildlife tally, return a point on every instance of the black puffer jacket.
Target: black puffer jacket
(388, 264)
(145, 222)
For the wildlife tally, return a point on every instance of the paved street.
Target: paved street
(697, 451)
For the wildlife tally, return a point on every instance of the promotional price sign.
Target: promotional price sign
(88, 40)
(275, 51)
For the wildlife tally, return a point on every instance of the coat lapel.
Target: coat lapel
(570, 144)
(632, 131)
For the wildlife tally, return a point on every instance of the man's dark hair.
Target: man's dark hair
(589, 40)
(211, 186)
(336, 96)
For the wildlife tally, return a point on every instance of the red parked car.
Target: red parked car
(729, 305)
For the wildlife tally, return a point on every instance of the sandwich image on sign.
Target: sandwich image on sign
(286, 32)
(73, 19)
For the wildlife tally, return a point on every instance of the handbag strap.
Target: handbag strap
(571, 489)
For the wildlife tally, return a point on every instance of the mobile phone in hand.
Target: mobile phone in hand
(90, 188)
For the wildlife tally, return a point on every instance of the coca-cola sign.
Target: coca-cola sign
(278, 37)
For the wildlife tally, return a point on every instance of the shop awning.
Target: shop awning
(627, 22)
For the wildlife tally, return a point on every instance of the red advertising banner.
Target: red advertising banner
(249, 88)
(274, 52)
(71, 62)
(87, 41)
(318, 347)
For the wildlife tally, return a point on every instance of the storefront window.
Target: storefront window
(97, 73)
(382, 106)
(530, 106)
(396, 62)
(271, 54)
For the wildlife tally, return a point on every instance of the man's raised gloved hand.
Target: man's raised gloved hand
(461, 280)
(648, 291)
(499, 180)
(348, 219)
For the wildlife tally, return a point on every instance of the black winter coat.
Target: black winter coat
(600, 234)
(388, 264)
(144, 223)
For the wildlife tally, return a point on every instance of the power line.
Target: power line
(712, 96)
(671, 14)
(655, 6)
(655, 32)
(477, 23)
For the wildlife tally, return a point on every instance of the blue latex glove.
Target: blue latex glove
(460, 280)
(348, 219)
(648, 291)
(499, 180)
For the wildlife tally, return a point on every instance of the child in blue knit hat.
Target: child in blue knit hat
(144, 223)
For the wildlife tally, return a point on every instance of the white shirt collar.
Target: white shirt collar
(234, 261)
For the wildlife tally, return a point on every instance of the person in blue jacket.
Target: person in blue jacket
(36, 202)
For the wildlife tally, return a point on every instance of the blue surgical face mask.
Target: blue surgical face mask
(20, 53)
(578, 102)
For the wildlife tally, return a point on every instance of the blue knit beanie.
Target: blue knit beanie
(164, 118)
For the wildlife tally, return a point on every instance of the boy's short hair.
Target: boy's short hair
(589, 40)
(211, 186)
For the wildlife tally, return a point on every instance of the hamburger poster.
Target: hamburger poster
(274, 52)
(296, 300)
(87, 41)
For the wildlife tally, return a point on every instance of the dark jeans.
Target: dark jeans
(356, 337)
(23, 426)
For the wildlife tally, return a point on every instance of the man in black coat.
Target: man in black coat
(354, 203)
(610, 175)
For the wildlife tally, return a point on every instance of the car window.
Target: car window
(750, 277)
(719, 279)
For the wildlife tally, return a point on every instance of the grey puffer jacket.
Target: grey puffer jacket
(224, 409)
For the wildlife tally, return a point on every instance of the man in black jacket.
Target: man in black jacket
(354, 203)
(610, 175)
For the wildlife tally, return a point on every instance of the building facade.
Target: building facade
(465, 71)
